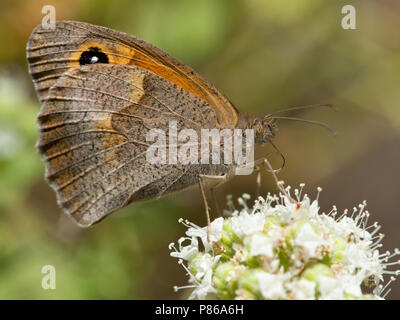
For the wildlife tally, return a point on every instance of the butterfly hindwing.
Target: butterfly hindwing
(93, 128)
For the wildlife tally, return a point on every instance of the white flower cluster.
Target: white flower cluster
(284, 249)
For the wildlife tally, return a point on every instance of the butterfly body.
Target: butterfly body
(101, 92)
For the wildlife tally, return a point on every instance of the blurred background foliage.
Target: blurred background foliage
(265, 56)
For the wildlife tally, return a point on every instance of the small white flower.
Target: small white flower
(355, 256)
(351, 284)
(302, 289)
(185, 252)
(246, 223)
(330, 288)
(204, 264)
(272, 285)
(215, 232)
(204, 288)
(261, 245)
(308, 239)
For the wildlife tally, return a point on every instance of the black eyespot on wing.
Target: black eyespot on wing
(92, 56)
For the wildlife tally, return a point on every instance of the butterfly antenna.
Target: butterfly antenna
(318, 123)
(311, 106)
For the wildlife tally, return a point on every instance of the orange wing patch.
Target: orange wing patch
(178, 74)
(121, 54)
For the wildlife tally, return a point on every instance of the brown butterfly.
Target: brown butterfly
(101, 92)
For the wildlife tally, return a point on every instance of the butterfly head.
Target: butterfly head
(264, 129)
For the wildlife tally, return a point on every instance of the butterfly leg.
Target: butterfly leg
(202, 178)
(207, 209)
(258, 180)
(215, 202)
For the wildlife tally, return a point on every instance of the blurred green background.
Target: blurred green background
(265, 56)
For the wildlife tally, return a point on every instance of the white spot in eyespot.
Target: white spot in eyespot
(94, 59)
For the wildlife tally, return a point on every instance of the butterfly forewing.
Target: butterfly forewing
(52, 52)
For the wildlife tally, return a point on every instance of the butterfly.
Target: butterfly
(101, 92)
